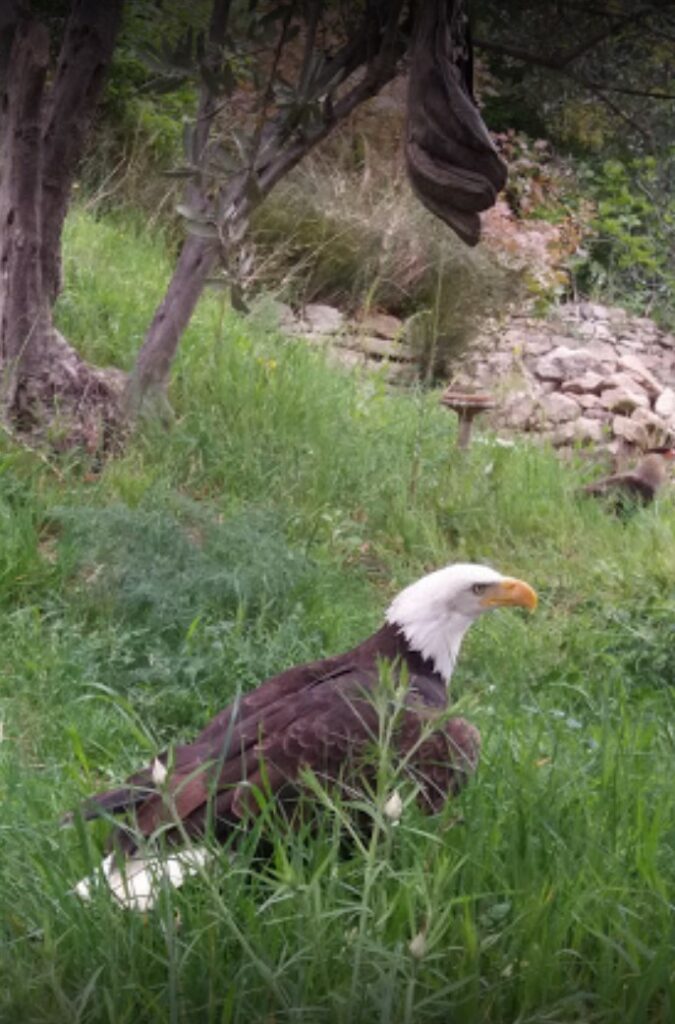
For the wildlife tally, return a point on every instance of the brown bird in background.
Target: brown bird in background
(637, 486)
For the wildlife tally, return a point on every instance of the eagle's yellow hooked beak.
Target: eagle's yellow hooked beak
(510, 592)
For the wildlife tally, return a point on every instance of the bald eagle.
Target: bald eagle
(320, 717)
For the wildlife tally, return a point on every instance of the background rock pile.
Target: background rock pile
(590, 374)
(374, 342)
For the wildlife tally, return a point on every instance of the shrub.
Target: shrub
(359, 237)
(630, 254)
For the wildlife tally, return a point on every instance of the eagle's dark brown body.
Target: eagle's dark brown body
(322, 716)
(638, 486)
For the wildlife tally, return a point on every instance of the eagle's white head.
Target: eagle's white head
(435, 612)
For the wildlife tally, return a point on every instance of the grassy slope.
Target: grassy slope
(269, 526)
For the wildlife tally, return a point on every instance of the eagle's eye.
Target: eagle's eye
(479, 588)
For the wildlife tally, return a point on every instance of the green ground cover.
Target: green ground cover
(270, 524)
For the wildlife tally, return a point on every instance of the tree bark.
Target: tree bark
(151, 372)
(42, 378)
(452, 163)
(85, 55)
(9, 16)
(24, 318)
(198, 255)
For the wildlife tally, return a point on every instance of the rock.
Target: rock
(323, 319)
(561, 363)
(648, 417)
(346, 357)
(629, 430)
(385, 348)
(556, 340)
(321, 340)
(593, 311)
(399, 373)
(627, 382)
(573, 378)
(559, 408)
(519, 410)
(589, 402)
(636, 368)
(564, 363)
(547, 387)
(588, 381)
(624, 399)
(603, 352)
(581, 431)
(272, 313)
(532, 347)
(632, 344)
(642, 324)
(595, 329)
(562, 435)
(381, 324)
(587, 431)
(660, 429)
(665, 403)
(501, 362)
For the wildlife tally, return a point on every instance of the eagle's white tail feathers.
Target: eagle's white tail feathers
(137, 881)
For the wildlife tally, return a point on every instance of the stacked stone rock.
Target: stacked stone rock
(589, 375)
(374, 342)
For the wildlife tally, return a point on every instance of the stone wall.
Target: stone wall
(374, 342)
(589, 374)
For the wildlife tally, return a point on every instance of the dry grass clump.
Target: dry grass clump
(346, 228)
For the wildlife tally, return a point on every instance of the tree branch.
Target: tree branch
(599, 93)
(562, 61)
(310, 41)
(383, 67)
(207, 106)
(625, 91)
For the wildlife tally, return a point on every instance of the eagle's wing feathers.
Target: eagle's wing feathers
(325, 728)
(278, 735)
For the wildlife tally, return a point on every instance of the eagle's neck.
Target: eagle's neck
(436, 642)
(391, 642)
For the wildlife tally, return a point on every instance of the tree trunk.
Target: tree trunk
(42, 377)
(151, 372)
(452, 163)
(24, 316)
(84, 58)
(198, 256)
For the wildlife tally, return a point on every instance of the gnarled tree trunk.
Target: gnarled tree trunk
(43, 132)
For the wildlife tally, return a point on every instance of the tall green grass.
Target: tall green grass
(268, 526)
